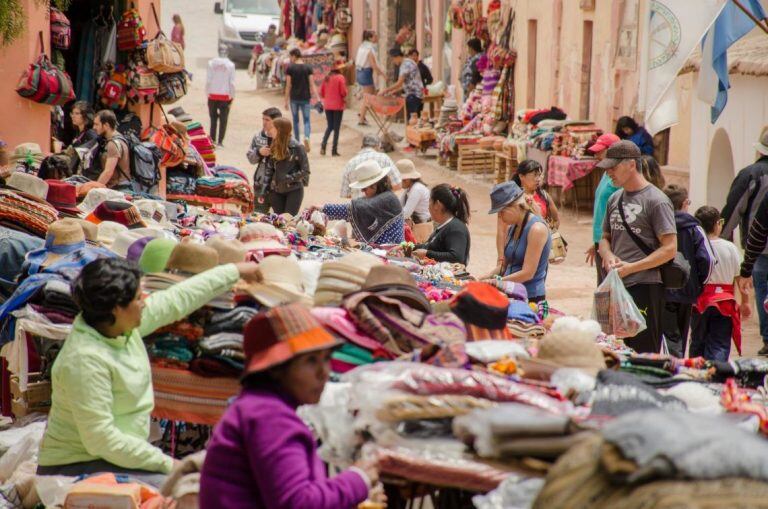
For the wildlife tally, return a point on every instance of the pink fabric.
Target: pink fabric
(333, 91)
(337, 319)
(562, 171)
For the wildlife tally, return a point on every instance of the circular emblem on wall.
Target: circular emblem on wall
(664, 34)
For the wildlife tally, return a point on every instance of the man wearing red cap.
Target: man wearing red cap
(604, 191)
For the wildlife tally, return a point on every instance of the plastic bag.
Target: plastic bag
(615, 310)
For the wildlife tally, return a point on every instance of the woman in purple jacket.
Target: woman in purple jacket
(262, 455)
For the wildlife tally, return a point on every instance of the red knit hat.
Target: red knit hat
(482, 305)
(280, 334)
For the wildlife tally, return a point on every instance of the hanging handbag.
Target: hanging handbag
(61, 30)
(674, 273)
(170, 144)
(45, 83)
(172, 87)
(131, 32)
(113, 90)
(164, 55)
(144, 85)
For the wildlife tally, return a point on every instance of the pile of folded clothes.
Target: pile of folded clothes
(178, 182)
(226, 188)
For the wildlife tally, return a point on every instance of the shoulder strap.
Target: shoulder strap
(116, 139)
(637, 240)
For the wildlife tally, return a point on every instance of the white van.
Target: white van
(244, 23)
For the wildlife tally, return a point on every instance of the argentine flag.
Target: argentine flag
(731, 25)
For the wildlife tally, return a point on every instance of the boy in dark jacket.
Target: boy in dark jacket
(693, 244)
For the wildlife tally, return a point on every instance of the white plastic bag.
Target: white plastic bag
(615, 310)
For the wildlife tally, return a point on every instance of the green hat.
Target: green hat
(155, 256)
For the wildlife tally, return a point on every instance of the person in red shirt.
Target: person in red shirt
(333, 92)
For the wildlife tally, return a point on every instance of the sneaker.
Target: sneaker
(335, 154)
(763, 351)
(307, 146)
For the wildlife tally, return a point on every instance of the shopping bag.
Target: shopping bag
(615, 310)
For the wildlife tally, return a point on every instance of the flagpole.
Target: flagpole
(751, 16)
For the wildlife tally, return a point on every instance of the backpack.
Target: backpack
(128, 123)
(143, 84)
(131, 31)
(61, 31)
(144, 160)
(113, 91)
(164, 55)
(90, 158)
(173, 87)
(45, 83)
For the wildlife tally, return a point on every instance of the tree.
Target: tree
(13, 20)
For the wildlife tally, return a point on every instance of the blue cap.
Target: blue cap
(504, 194)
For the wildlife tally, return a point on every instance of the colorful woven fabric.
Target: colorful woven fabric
(183, 396)
(26, 212)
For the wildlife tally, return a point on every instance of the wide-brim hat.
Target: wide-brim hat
(503, 194)
(263, 237)
(366, 174)
(192, 258)
(90, 230)
(95, 196)
(282, 283)
(153, 212)
(118, 211)
(180, 115)
(29, 184)
(397, 283)
(108, 231)
(407, 169)
(280, 334)
(481, 305)
(124, 240)
(155, 256)
(29, 153)
(343, 276)
(564, 349)
(63, 196)
(230, 250)
(61, 233)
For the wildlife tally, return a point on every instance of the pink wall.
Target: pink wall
(22, 120)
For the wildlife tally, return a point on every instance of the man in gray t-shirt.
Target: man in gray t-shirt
(650, 215)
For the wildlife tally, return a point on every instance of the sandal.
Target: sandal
(363, 122)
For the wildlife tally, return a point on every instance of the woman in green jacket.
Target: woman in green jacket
(102, 382)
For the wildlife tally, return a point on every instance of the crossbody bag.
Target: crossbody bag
(674, 273)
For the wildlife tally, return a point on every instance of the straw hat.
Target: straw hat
(407, 169)
(29, 184)
(64, 232)
(366, 174)
(192, 258)
(108, 231)
(282, 282)
(564, 349)
(343, 276)
(397, 283)
(29, 153)
(263, 237)
(280, 334)
(230, 250)
(90, 230)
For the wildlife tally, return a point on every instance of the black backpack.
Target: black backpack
(144, 163)
(90, 159)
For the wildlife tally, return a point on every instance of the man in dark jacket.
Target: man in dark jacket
(747, 192)
(426, 74)
(692, 243)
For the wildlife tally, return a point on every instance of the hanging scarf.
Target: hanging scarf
(371, 217)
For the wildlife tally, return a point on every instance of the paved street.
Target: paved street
(569, 285)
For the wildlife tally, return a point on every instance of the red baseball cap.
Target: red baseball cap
(603, 142)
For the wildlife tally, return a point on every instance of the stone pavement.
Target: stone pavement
(569, 286)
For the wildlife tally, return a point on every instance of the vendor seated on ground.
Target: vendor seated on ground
(115, 157)
(192, 165)
(449, 242)
(377, 217)
(82, 120)
(262, 455)
(529, 177)
(526, 250)
(415, 199)
(102, 384)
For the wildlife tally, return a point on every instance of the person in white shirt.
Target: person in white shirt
(716, 315)
(415, 201)
(367, 153)
(367, 64)
(220, 89)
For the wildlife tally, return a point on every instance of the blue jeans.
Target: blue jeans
(305, 109)
(711, 335)
(760, 280)
(14, 245)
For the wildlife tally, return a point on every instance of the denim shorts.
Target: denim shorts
(365, 76)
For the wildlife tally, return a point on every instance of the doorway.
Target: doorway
(721, 168)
